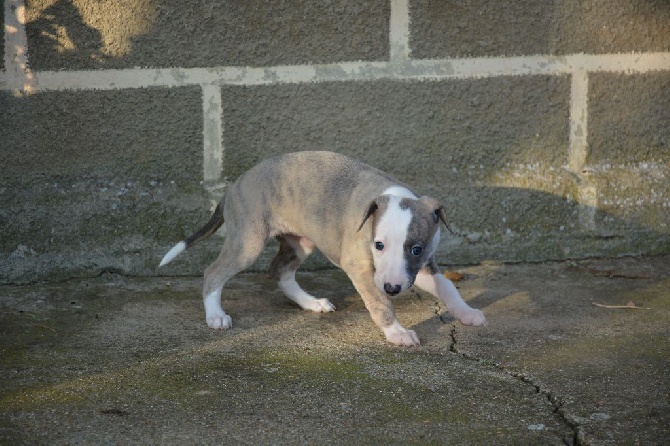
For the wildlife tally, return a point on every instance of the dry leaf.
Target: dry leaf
(453, 276)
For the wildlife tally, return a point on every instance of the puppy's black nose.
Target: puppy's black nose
(391, 290)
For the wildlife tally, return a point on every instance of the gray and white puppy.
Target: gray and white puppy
(366, 222)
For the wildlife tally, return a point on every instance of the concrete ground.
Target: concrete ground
(130, 360)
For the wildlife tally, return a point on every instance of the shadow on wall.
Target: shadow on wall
(61, 29)
(85, 35)
(524, 225)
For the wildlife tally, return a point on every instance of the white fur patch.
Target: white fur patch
(399, 335)
(174, 252)
(292, 290)
(214, 315)
(390, 264)
(399, 191)
(442, 288)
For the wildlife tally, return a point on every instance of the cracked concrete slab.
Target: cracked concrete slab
(606, 370)
(116, 359)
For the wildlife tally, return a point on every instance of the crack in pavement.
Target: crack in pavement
(555, 401)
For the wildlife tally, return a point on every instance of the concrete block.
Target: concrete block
(198, 33)
(415, 130)
(629, 118)
(98, 180)
(479, 28)
(613, 26)
(629, 160)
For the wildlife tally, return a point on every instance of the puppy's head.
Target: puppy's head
(405, 234)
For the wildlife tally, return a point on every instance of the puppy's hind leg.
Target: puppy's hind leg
(293, 250)
(237, 254)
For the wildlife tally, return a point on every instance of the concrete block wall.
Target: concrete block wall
(543, 126)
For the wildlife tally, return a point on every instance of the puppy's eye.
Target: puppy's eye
(416, 250)
(379, 246)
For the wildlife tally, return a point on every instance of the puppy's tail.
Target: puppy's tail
(214, 223)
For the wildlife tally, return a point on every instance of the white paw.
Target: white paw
(471, 316)
(398, 335)
(321, 306)
(220, 321)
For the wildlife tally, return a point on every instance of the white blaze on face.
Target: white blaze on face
(391, 230)
(399, 191)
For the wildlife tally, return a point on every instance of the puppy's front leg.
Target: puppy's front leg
(381, 310)
(430, 279)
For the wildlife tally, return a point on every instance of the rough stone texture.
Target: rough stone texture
(103, 134)
(81, 197)
(632, 198)
(479, 28)
(419, 131)
(199, 33)
(128, 360)
(629, 118)
(629, 152)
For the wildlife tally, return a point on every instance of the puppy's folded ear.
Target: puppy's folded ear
(439, 211)
(374, 206)
(371, 210)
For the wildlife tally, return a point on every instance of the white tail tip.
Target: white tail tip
(174, 252)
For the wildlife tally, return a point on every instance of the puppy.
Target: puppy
(365, 221)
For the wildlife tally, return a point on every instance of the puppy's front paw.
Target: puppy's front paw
(323, 306)
(471, 316)
(398, 335)
(220, 321)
